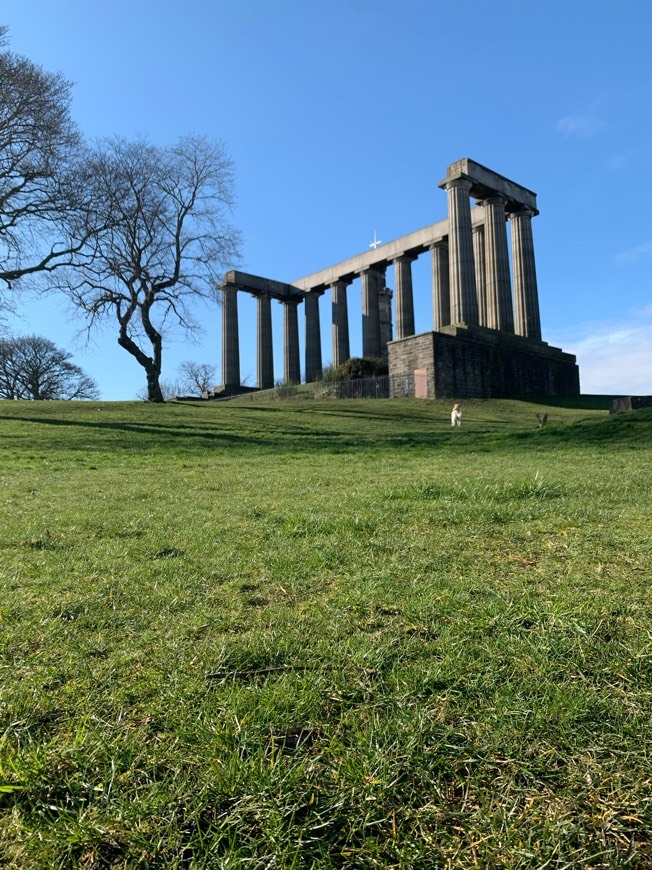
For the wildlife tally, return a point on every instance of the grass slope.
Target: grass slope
(320, 634)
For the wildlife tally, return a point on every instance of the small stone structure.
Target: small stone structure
(486, 337)
(629, 403)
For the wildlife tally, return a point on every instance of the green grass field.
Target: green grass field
(321, 634)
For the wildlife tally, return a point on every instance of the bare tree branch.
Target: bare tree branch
(156, 239)
(39, 192)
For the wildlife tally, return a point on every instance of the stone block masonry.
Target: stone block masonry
(474, 362)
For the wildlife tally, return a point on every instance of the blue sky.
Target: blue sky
(341, 117)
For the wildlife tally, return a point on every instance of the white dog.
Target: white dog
(456, 416)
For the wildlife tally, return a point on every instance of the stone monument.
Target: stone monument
(486, 337)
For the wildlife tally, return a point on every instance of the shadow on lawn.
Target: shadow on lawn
(376, 429)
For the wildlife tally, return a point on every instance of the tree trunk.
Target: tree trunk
(152, 370)
(154, 393)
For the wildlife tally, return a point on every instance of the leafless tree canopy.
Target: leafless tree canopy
(32, 367)
(196, 378)
(38, 146)
(165, 242)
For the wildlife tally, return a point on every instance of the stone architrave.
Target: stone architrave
(464, 303)
(404, 296)
(340, 333)
(441, 293)
(313, 337)
(526, 295)
(500, 314)
(372, 280)
(230, 338)
(265, 351)
(291, 359)
(480, 273)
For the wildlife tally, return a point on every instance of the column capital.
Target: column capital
(438, 245)
(291, 300)
(341, 282)
(405, 258)
(461, 183)
(522, 212)
(494, 198)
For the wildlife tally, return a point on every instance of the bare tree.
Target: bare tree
(196, 377)
(32, 367)
(38, 186)
(166, 239)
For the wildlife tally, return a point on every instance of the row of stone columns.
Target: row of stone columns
(479, 285)
(471, 284)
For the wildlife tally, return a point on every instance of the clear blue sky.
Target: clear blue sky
(341, 117)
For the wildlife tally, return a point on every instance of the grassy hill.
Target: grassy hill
(325, 634)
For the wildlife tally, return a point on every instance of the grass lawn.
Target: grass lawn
(325, 634)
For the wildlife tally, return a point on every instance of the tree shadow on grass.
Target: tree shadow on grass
(433, 434)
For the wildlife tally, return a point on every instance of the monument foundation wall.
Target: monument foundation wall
(474, 362)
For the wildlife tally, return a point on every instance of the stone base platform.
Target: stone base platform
(464, 361)
(228, 391)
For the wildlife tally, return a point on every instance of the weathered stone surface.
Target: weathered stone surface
(291, 360)
(340, 328)
(629, 403)
(372, 282)
(404, 296)
(230, 338)
(441, 291)
(472, 362)
(385, 319)
(485, 182)
(414, 243)
(254, 284)
(464, 302)
(265, 351)
(526, 294)
(313, 338)
(500, 313)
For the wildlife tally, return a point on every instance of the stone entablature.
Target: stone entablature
(411, 245)
(471, 284)
(485, 182)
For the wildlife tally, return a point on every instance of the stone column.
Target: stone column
(291, 361)
(526, 295)
(385, 318)
(500, 314)
(371, 344)
(480, 273)
(313, 337)
(464, 304)
(265, 351)
(441, 292)
(230, 338)
(341, 351)
(404, 296)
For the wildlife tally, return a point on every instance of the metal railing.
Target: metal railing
(382, 387)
